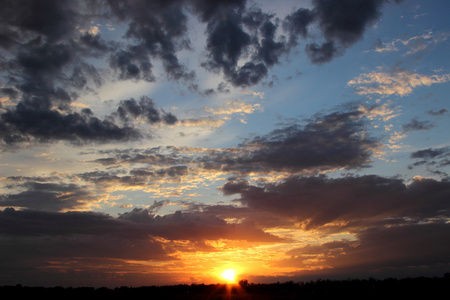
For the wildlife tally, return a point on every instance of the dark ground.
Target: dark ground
(420, 287)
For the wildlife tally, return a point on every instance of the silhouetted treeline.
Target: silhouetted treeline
(425, 287)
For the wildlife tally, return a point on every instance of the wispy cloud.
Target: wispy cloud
(413, 44)
(397, 82)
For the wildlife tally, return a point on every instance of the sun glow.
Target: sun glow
(229, 275)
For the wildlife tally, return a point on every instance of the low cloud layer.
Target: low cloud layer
(321, 201)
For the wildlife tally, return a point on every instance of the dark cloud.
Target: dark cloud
(162, 156)
(297, 23)
(96, 244)
(47, 47)
(159, 28)
(321, 53)
(250, 35)
(158, 31)
(146, 109)
(95, 238)
(35, 241)
(136, 178)
(196, 226)
(384, 252)
(49, 197)
(226, 43)
(320, 201)
(136, 224)
(83, 74)
(45, 60)
(438, 112)
(211, 9)
(52, 19)
(95, 43)
(9, 92)
(105, 179)
(344, 21)
(337, 140)
(434, 159)
(431, 153)
(415, 125)
(47, 68)
(324, 143)
(270, 49)
(132, 64)
(29, 121)
(341, 24)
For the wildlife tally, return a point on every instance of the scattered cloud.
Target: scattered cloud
(236, 106)
(397, 82)
(117, 121)
(413, 44)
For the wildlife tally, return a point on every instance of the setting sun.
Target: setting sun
(229, 275)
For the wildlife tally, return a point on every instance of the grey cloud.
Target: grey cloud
(141, 177)
(431, 153)
(438, 112)
(226, 42)
(236, 34)
(415, 125)
(59, 237)
(269, 48)
(341, 24)
(260, 218)
(161, 156)
(52, 19)
(209, 9)
(322, 53)
(134, 225)
(45, 56)
(107, 179)
(47, 59)
(173, 171)
(317, 201)
(9, 92)
(83, 74)
(96, 43)
(296, 24)
(324, 143)
(434, 159)
(248, 74)
(49, 197)
(132, 64)
(196, 227)
(90, 235)
(145, 108)
(345, 21)
(160, 28)
(397, 249)
(385, 252)
(27, 122)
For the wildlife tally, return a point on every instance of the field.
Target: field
(426, 288)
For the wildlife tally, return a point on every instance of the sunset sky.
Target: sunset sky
(164, 142)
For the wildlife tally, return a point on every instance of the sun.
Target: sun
(229, 275)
